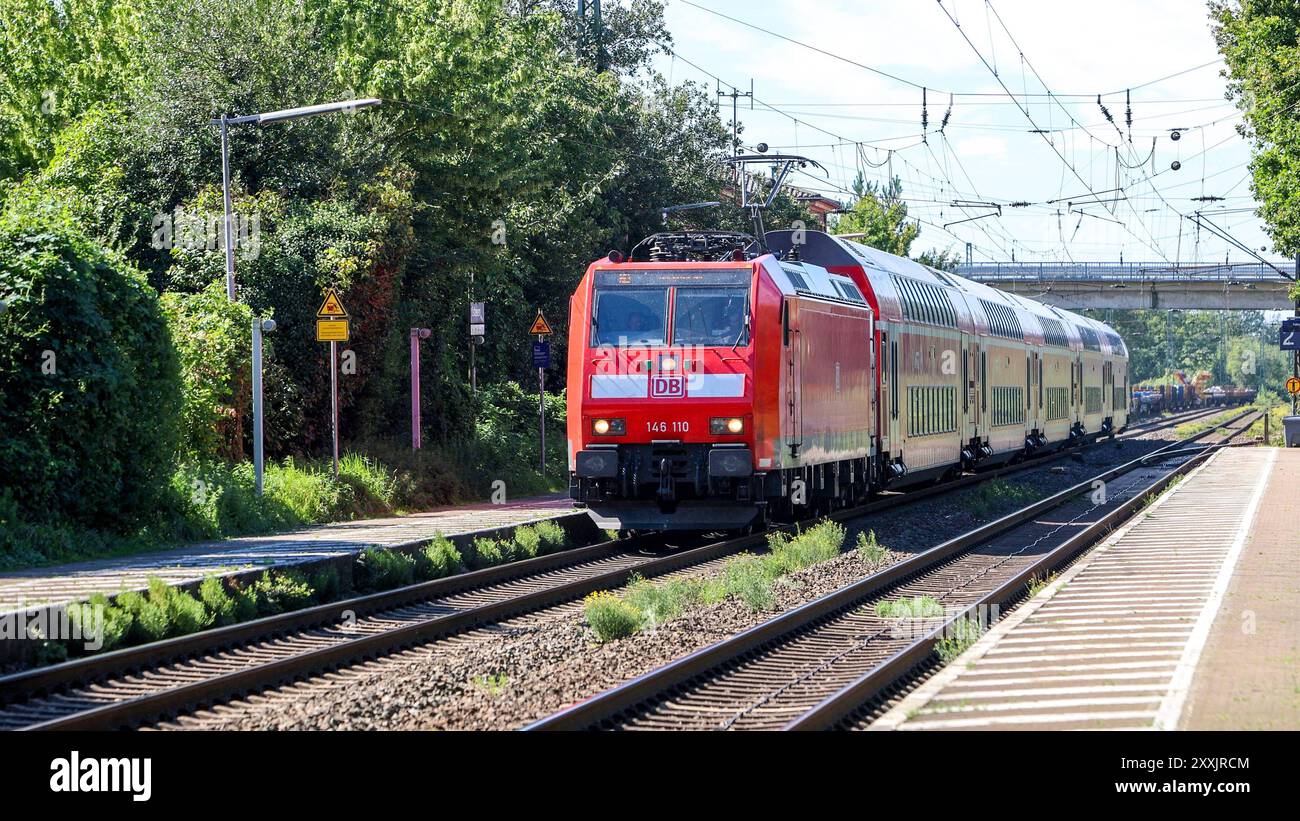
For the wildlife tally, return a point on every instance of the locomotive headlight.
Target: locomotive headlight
(609, 427)
(667, 364)
(722, 425)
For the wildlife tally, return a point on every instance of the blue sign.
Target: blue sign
(541, 354)
(1291, 334)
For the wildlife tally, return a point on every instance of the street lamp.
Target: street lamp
(416, 335)
(265, 118)
(260, 326)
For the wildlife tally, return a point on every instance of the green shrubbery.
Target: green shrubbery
(747, 578)
(525, 542)
(611, 617)
(163, 611)
(89, 383)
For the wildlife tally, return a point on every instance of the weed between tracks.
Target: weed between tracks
(747, 578)
(957, 639)
(1036, 583)
(998, 494)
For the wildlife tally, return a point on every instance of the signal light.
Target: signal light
(724, 425)
(609, 427)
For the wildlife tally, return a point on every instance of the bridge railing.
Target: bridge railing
(1128, 272)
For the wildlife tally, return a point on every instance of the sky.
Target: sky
(832, 107)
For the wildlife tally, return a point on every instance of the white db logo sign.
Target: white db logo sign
(667, 387)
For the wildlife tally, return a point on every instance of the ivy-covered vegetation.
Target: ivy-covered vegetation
(504, 158)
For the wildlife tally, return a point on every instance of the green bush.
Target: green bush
(610, 617)
(552, 536)
(219, 602)
(213, 343)
(280, 592)
(326, 584)
(748, 579)
(869, 549)
(661, 603)
(438, 559)
(819, 543)
(527, 541)
(487, 553)
(116, 624)
(245, 596)
(149, 618)
(381, 569)
(89, 382)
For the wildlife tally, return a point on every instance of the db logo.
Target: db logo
(667, 387)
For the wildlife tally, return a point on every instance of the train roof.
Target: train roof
(901, 288)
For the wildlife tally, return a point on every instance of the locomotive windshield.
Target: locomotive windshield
(630, 316)
(708, 307)
(711, 316)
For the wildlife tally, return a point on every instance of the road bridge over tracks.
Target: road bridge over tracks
(1252, 286)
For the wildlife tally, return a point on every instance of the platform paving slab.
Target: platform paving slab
(1249, 674)
(1115, 641)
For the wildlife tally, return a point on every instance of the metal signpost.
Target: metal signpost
(333, 326)
(416, 335)
(477, 332)
(1290, 341)
(542, 361)
(260, 326)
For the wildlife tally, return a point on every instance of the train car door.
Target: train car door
(794, 377)
(969, 429)
(890, 440)
(1076, 388)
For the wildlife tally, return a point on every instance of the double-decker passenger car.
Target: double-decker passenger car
(805, 375)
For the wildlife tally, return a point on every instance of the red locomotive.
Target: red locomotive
(720, 382)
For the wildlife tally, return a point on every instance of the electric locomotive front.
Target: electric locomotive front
(662, 422)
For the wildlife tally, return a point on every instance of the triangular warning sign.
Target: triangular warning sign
(539, 325)
(332, 306)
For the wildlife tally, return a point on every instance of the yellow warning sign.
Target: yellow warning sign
(1293, 386)
(332, 306)
(539, 325)
(333, 330)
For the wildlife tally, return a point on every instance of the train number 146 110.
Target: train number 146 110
(667, 427)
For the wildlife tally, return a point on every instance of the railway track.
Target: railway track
(133, 685)
(815, 666)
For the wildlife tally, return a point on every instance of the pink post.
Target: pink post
(416, 335)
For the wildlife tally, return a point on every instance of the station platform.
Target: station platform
(24, 589)
(1183, 618)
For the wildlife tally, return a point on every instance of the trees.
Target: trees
(880, 216)
(1260, 41)
(499, 165)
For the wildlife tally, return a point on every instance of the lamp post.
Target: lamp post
(260, 326)
(416, 335)
(265, 118)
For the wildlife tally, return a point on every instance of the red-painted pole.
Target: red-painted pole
(416, 335)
